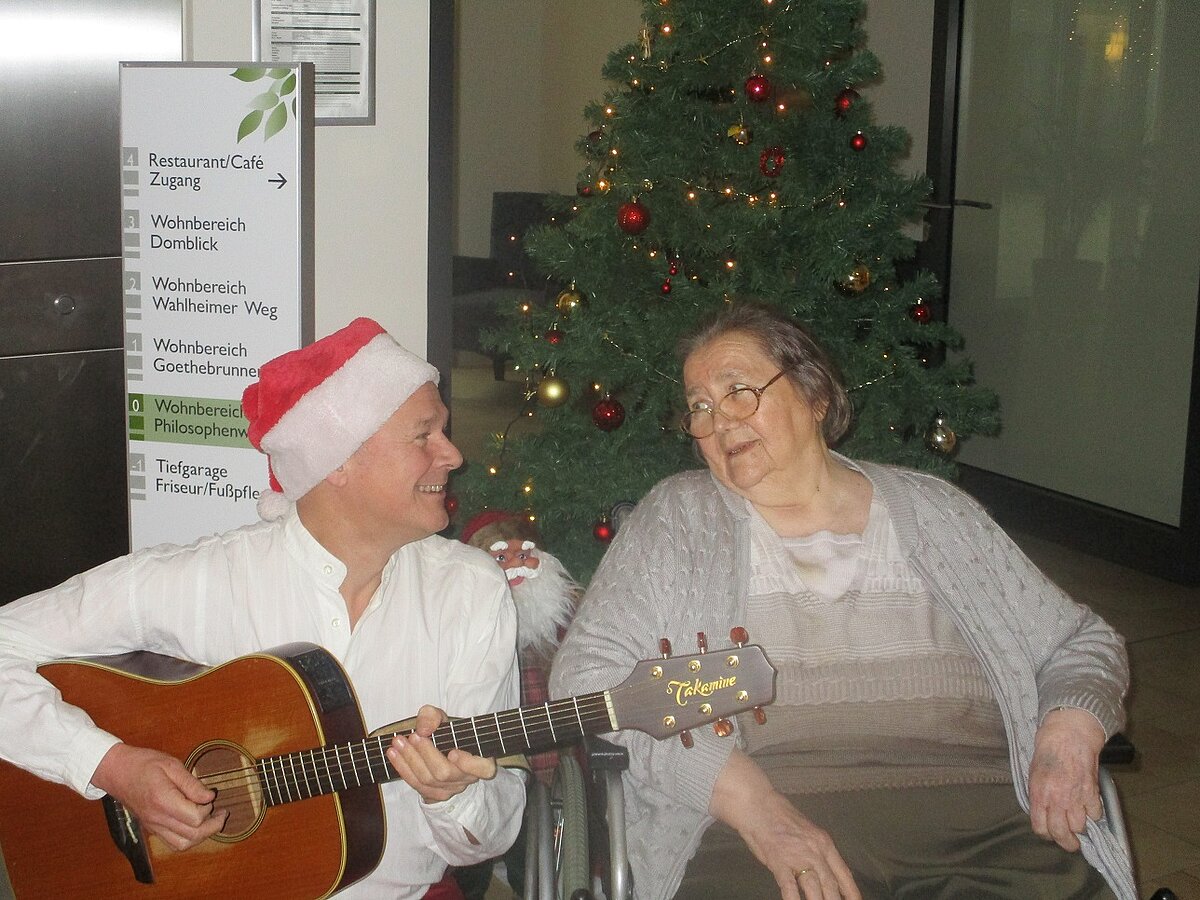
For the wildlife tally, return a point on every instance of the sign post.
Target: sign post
(218, 258)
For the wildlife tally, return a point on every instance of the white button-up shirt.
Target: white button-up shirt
(441, 629)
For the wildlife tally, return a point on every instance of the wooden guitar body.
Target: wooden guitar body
(272, 729)
(59, 845)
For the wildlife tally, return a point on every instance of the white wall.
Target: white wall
(525, 71)
(371, 181)
(900, 33)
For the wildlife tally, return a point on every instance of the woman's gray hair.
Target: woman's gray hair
(791, 346)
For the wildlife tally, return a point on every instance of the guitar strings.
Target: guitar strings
(299, 770)
(360, 753)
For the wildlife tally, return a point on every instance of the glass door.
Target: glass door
(1077, 291)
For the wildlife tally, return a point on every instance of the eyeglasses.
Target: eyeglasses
(740, 403)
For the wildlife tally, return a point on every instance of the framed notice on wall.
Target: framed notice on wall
(217, 234)
(338, 38)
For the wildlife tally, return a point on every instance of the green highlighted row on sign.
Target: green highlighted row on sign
(187, 420)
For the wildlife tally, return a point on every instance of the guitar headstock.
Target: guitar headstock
(670, 695)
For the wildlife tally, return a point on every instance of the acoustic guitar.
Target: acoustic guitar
(279, 736)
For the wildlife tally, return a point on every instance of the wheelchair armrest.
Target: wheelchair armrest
(605, 756)
(1118, 751)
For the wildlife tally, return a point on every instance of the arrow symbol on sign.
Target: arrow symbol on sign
(282, 181)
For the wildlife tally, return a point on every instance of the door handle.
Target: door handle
(974, 204)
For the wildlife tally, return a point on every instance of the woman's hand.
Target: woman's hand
(1064, 781)
(801, 856)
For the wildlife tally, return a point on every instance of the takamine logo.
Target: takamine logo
(686, 690)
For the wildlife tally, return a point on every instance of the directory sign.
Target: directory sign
(217, 232)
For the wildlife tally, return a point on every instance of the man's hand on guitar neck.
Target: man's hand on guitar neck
(436, 776)
(166, 798)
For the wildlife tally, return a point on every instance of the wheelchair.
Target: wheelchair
(581, 818)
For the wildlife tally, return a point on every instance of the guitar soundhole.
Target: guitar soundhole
(230, 771)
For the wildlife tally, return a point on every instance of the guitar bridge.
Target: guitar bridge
(126, 833)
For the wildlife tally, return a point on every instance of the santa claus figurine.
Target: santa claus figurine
(543, 591)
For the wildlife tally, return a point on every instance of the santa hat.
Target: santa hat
(492, 525)
(312, 408)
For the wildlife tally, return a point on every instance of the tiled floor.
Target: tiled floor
(1161, 792)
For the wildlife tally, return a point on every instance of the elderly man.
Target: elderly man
(347, 557)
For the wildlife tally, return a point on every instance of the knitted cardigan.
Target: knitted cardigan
(680, 565)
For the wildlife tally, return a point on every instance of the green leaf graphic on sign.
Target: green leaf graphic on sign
(273, 100)
(264, 101)
(248, 74)
(249, 124)
(275, 121)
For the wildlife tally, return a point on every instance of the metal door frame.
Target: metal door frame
(1102, 531)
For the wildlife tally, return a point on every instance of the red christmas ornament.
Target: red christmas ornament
(859, 141)
(583, 189)
(603, 530)
(632, 217)
(451, 504)
(920, 312)
(758, 88)
(770, 161)
(666, 286)
(845, 101)
(608, 414)
(554, 336)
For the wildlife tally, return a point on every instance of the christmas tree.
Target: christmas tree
(732, 159)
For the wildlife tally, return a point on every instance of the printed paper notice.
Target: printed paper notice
(338, 38)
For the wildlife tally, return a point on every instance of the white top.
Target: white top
(441, 629)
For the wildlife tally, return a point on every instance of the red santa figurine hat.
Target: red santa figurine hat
(312, 408)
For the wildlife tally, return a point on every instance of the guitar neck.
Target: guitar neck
(527, 729)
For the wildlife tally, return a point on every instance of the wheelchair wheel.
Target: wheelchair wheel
(574, 870)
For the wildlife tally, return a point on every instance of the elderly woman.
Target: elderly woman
(940, 705)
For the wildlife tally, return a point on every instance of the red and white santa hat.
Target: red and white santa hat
(312, 408)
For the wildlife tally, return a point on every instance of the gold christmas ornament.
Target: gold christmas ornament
(941, 437)
(740, 133)
(552, 391)
(568, 301)
(859, 279)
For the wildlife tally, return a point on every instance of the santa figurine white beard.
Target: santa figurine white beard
(545, 599)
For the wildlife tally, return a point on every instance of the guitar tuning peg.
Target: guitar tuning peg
(739, 635)
(702, 641)
(760, 715)
(664, 647)
(685, 738)
(723, 727)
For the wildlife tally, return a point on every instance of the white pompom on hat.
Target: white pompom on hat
(312, 408)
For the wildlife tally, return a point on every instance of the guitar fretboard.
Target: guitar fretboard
(337, 767)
